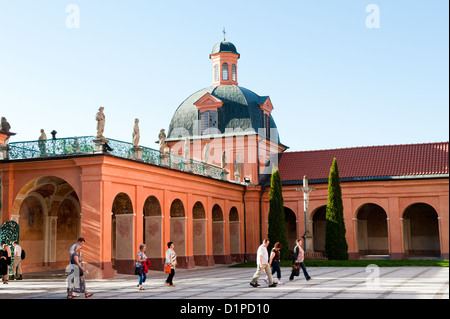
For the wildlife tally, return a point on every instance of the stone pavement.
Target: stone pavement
(221, 282)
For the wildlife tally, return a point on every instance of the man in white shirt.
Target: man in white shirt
(80, 242)
(262, 260)
(17, 264)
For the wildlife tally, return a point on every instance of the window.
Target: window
(267, 125)
(225, 72)
(209, 122)
(233, 73)
(216, 73)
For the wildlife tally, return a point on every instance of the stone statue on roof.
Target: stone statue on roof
(100, 118)
(224, 160)
(136, 133)
(187, 149)
(41, 143)
(162, 141)
(5, 125)
(206, 153)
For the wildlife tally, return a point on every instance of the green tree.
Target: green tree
(335, 243)
(277, 221)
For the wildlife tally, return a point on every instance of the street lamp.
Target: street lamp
(307, 236)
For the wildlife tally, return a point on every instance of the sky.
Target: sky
(339, 73)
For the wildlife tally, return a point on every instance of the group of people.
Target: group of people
(272, 265)
(6, 259)
(264, 263)
(142, 264)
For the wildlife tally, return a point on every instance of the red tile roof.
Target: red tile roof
(367, 162)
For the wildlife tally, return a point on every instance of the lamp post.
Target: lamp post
(307, 236)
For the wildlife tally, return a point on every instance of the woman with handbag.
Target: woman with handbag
(139, 269)
(171, 262)
(78, 281)
(299, 255)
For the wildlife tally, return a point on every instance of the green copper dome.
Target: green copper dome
(240, 111)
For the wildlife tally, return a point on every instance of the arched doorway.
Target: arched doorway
(235, 249)
(319, 229)
(218, 235)
(291, 228)
(48, 214)
(372, 230)
(122, 234)
(421, 231)
(199, 235)
(153, 227)
(178, 228)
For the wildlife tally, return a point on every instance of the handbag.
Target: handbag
(167, 269)
(138, 270)
(296, 269)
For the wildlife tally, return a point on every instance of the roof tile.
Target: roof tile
(372, 161)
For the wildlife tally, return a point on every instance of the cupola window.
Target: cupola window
(225, 72)
(216, 73)
(233, 73)
(208, 122)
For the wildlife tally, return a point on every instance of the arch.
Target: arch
(153, 227)
(177, 209)
(122, 233)
(319, 228)
(199, 234)
(371, 230)
(291, 228)
(225, 71)
(178, 226)
(47, 210)
(234, 229)
(421, 231)
(218, 234)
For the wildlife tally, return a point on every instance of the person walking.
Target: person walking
(299, 255)
(141, 258)
(262, 260)
(5, 261)
(79, 242)
(17, 263)
(171, 260)
(79, 283)
(274, 262)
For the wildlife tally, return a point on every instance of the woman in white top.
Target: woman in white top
(171, 260)
(140, 259)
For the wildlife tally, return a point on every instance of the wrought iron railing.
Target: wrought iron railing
(85, 145)
(53, 147)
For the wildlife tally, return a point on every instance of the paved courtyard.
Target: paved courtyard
(221, 282)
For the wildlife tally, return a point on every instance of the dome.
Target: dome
(224, 46)
(240, 111)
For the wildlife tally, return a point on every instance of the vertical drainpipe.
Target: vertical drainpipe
(260, 212)
(245, 225)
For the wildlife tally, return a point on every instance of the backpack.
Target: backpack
(22, 254)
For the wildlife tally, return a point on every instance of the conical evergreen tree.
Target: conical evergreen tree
(277, 221)
(335, 242)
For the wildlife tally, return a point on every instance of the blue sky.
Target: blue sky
(333, 81)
